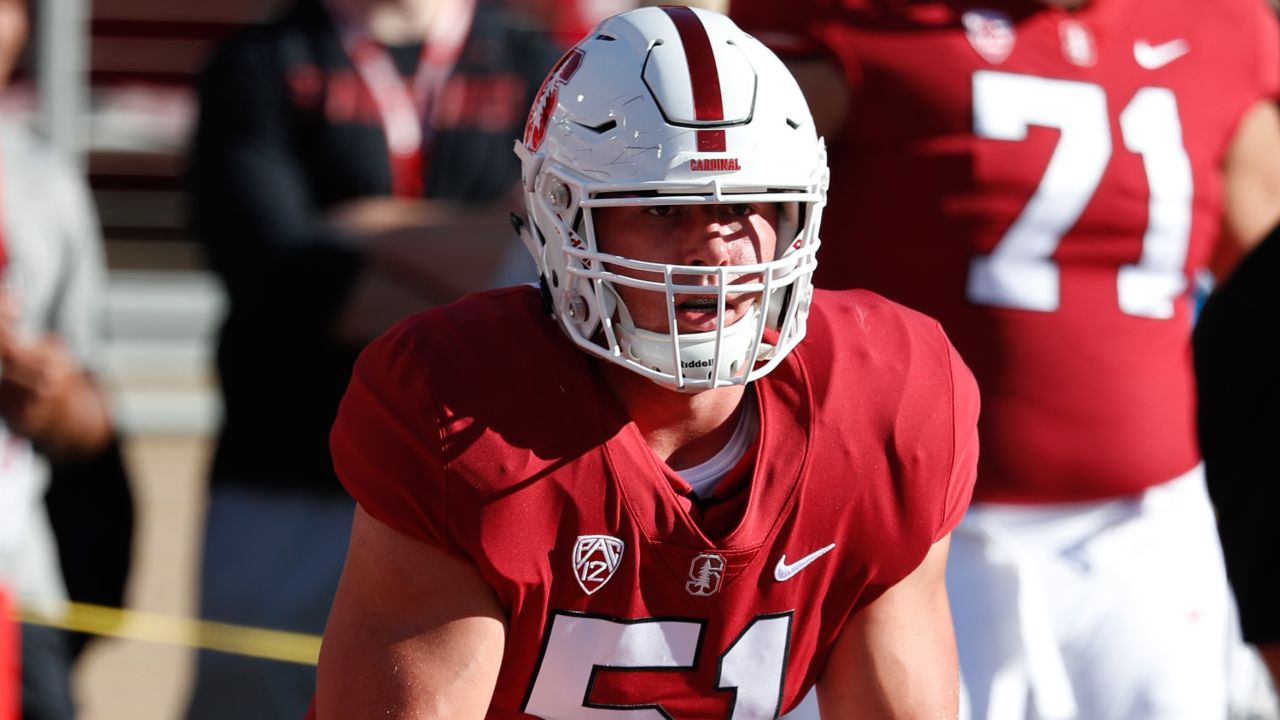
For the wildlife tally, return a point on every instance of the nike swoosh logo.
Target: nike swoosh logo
(1153, 57)
(782, 571)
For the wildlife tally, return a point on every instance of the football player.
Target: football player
(676, 482)
(1045, 178)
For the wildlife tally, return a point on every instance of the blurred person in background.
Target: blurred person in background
(52, 410)
(569, 20)
(352, 164)
(1237, 358)
(1044, 178)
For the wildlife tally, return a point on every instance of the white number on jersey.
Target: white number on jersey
(577, 646)
(1020, 272)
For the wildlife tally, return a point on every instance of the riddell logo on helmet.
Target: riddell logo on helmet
(714, 165)
(691, 364)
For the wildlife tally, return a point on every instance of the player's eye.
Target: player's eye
(660, 210)
(741, 210)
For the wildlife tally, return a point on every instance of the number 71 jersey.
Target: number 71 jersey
(1045, 183)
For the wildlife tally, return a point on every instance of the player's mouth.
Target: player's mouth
(701, 313)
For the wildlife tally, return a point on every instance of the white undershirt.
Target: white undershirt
(704, 476)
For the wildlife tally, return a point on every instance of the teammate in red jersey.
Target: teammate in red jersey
(638, 493)
(1045, 178)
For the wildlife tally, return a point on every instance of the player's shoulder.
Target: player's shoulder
(478, 354)
(490, 306)
(487, 323)
(503, 382)
(859, 315)
(1213, 30)
(857, 337)
(1230, 11)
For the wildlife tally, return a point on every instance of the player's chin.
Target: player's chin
(692, 321)
(698, 318)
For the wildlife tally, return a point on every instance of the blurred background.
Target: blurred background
(110, 85)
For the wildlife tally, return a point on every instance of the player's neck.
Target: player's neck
(683, 429)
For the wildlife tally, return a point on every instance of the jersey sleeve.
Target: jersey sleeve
(965, 405)
(386, 442)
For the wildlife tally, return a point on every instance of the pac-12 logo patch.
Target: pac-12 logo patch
(595, 559)
(705, 574)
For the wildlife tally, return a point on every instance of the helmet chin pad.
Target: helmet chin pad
(692, 358)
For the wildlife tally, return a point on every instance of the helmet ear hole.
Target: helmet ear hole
(580, 310)
(548, 305)
(790, 221)
(555, 280)
(778, 305)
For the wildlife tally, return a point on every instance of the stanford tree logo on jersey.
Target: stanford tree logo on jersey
(705, 573)
(595, 558)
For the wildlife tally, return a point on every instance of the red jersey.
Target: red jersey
(480, 429)
(1044, 182)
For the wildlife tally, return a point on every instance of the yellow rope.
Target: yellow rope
(174, 630)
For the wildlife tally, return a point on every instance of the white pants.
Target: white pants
(1117, 610)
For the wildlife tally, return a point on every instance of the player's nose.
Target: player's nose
(707, 241)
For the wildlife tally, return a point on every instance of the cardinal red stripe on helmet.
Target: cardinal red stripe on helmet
(703, 75)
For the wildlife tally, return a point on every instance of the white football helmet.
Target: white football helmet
(672, 106)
